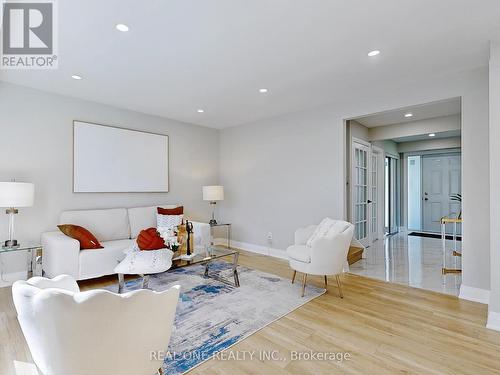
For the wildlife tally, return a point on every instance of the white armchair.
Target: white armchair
(325, 255)
(93, 332)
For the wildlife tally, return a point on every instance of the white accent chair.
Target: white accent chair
(327, 254)
(115, 228)
(93, 332)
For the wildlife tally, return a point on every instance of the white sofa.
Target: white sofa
(116, 229)
(93, 332)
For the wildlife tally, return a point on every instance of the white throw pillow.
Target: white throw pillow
(145, 262)
(167, 222)
(338, 227)
(321, 230)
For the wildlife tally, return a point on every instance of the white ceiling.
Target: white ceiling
(181, 55)
(419, 112)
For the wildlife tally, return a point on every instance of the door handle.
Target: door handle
(368, 201)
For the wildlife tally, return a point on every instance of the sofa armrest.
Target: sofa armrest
(303, 234)
(61, 255)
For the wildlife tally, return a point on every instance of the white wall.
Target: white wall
(359, 131)
(430, 144)
(37, 138)
(288, 171)
(407, 129)
(494, 308)
(389, 146)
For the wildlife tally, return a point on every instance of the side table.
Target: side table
(228, 231)
(34, 263)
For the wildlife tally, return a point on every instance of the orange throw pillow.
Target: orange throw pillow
(150, 239)
(87, 240)
(171, 211)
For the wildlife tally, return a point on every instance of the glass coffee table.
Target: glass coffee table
(34, 259)
(212, 253)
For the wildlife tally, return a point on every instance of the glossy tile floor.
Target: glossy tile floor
(412, 261)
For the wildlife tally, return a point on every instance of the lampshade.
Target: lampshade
(213, 193)
(16, 194)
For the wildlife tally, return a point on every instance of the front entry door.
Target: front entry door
(441, 177)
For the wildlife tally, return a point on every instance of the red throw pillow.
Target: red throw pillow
(87, 240)
(150, 239)
(171, 211)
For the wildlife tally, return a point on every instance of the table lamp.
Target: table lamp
(12, 196)
(213, 194)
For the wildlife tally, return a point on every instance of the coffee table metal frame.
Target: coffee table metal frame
(212, 253)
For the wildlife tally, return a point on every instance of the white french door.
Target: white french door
(360, 181)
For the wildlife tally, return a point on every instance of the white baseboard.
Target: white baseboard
(9, 278)
(470, 293)
(493, 321)
(258, 249)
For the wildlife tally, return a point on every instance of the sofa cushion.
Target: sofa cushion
(143, 217)
(107, 225)
(96, 263)
(302, 253)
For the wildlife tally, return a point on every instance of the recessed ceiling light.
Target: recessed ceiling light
(77, 77)
(408, 114)
(432, 135)
(200, 111)
(374, 53)
(263, 91)
(122, 27)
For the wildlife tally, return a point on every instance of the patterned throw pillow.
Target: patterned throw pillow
(87, 240)
(167, 222)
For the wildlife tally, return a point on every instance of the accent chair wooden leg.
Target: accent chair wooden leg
(293, 277)
(339, 283)
(304, 279)
(326, 281)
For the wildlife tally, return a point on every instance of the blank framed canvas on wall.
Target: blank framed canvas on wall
(109, 159)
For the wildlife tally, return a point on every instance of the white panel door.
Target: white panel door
(441, 177)
(360, 192)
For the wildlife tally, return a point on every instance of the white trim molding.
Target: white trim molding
(258, 249)
(471, 293)
(493, 321)
(9, 278)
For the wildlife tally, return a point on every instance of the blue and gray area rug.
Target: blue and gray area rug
(212, 316)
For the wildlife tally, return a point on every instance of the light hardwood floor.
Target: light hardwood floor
(386, 328)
